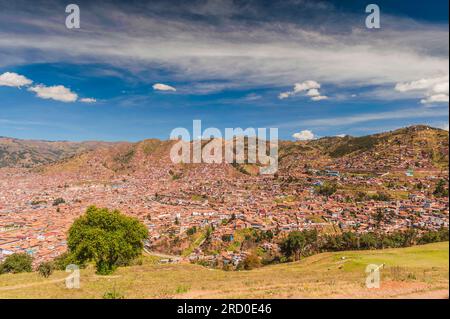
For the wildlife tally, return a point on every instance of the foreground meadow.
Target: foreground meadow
(414, 272)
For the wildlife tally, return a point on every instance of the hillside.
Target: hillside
(32, 153)
(415, 272)
(416, 147)
(149, 157)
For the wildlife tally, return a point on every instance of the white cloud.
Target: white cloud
(435, 90)
(284, 95)
(341, 135)
(442, 87)
(88, 100)
(311, 87)
(436, 98)
(319, 98)
(163, 87)
(422, 84)
(58, 93)
(307, 85)
(305, 135)
(14, 80)
(313, 92)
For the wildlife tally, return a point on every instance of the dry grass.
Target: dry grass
(417, 271)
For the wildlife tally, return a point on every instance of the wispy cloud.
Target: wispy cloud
(436, 90)
(361, 118)
(273, 52)
(88, 100)
(163, 87)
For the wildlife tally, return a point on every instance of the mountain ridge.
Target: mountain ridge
(417, 147)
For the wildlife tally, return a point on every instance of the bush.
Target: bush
(227, 238)
(108, 238)
(17, 263)
(326, 189)
(252, 261)
(62, 261)
(114, 294)
(45, 269)
(381, 197)
(440, 190)
(191, 231)
(58, 201)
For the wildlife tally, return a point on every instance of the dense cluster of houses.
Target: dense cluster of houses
(34, 221)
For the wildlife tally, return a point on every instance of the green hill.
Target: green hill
(420, 271)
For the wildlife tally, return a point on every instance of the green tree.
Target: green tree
(379, 217)
(63, 260)
(17, 263)
(58, 201)
(440, 190)
(191, 231)
(298, 242)
(327, 189)
(368, 241)
(108, 238)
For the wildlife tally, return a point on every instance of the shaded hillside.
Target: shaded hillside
(30, 153)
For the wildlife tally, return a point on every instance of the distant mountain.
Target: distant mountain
(32, 153)
(416, 147)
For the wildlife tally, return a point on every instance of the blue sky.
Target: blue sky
(305, 67)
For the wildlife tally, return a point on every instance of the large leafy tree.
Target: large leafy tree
(108, 238)
(299, 242)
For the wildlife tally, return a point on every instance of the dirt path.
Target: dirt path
(160, 255)
(32, 284)
(433, 294)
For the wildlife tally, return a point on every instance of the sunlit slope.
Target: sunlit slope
(415, 272)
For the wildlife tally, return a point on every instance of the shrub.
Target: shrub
(191, 231)
(45, 269)
(17, 263)
(113, 294)
(182, 289)
(326, 189)
(62, 261)
(440, 190)
(252, 261)
(58, 201)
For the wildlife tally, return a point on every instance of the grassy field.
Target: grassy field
(415, 272)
